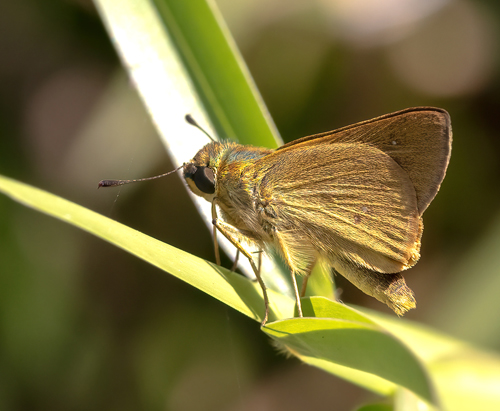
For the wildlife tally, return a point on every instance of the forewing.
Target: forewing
(350, 201)
(418, 139)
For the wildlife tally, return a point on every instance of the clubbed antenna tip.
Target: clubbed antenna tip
(189, 118)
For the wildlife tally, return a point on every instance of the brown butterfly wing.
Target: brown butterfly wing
(418, 139)
(345, 201)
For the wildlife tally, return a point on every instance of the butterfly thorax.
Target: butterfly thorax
(236, 190)
(234, 186)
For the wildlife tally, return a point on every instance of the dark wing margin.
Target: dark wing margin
(418, 139)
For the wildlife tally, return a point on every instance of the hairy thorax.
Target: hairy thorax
(238, 195)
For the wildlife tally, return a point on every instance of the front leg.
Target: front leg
(225, 229)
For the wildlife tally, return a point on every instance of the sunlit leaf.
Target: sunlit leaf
(233, 289)
(342, 336)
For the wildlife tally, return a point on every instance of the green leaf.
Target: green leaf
(376, 407)
(405, 400)
(219, 73)
(320, 283)
(468, 380)
(465, 377)
(182, 60)
(342, 336)
(364, 343)
(234, 290)
(338, 339)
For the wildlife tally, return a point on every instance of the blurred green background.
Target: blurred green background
(85, 326)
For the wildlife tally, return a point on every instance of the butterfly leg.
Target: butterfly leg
(225, 230)
(214, 234)
(217, 253)
(297, 295)
(306, 278)
(285, 252)
(235, 263)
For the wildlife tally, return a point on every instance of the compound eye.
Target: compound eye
(204, 180)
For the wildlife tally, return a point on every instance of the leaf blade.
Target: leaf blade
(234, 290)
(345, 337)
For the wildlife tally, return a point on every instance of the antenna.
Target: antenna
(193, 122)
(114, 183)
